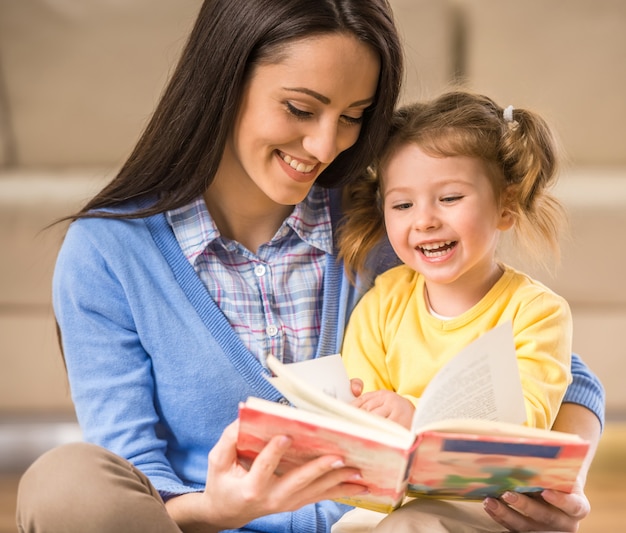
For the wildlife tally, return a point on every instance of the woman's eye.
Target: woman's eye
(296, 112)
(303, 115)
(352, 121)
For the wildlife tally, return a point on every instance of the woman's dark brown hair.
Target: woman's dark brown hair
(178, 154)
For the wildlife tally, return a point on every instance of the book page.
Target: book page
(327, 374)
(494, 428)
(482, 381)
(310, 397)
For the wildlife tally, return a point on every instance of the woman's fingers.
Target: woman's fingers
(224, 453)
(266, 462)
(322, 478)
(558, 512)
(575, 505)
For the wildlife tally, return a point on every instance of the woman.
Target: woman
(212, 247)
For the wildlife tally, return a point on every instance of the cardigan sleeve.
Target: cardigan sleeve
(586, 389)
(109, 370)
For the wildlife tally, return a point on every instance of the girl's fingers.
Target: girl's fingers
(356, 385)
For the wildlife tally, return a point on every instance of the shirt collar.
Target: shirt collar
(311, 221)
(195, 229)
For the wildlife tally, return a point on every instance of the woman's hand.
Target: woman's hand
(234, 496)
(555, 511)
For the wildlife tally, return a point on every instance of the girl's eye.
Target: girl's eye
(450, 199)
(296, 112)
(402, 207)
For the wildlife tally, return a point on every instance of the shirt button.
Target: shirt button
(259, 270)
(271, 331)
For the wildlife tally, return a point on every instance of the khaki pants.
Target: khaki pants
(82, 488)
(421, 516)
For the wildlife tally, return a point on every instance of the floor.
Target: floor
(8, 485)
(606, 487)
(606, 484)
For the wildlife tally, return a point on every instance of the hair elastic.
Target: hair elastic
(508, 114)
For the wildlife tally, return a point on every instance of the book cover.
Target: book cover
(381, 459)
(446, 453)
(472, 467)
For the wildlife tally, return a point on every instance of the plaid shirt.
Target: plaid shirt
(273, 299)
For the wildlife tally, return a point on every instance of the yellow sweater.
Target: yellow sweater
(392, 341)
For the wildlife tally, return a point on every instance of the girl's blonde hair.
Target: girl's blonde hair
(518, 147)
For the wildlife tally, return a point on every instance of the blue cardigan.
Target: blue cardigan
(156, 371)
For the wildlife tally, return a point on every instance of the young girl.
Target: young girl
(455, 174)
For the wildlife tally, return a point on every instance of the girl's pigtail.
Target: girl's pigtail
(530, 160)
(363, 226)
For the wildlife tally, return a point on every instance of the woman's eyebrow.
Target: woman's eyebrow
(324, 99)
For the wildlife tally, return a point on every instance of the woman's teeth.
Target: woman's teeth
(297, 165)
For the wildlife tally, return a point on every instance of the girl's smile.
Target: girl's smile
(444, 219)
(436, 250)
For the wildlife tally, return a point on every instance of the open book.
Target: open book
(467, 439)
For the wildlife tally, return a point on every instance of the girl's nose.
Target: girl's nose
(425, 218)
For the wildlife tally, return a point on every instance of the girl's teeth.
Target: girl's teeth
(435, 250)
(430, 253)
(435, 246)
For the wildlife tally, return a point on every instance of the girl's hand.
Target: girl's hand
(234, 496)
(356, 385)
(387, 404)
(555, 511)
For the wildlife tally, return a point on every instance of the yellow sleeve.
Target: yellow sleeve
(363, 350)
(542, 330)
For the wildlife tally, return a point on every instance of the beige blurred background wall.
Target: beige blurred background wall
(78, 79)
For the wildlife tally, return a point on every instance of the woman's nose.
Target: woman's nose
(323, 141)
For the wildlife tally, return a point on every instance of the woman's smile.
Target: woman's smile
(293, 122)
(298, 170)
